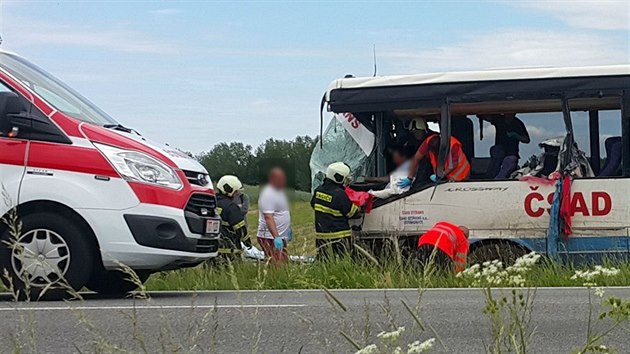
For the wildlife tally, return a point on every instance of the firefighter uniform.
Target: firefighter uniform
(233, 227)
(446, 245)
(333, 209)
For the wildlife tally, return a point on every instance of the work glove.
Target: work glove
(278, 243)
(404, 183)
(290, 235)
(433, 178)
(513, 135)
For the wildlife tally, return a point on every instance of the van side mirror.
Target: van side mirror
(11, 105)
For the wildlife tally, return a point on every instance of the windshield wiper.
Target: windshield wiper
(121, 128)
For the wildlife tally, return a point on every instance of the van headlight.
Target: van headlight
(138, 166)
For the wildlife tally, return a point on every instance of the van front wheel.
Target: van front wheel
(49, 257)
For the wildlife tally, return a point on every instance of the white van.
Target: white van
(510, 215)
(91, 194)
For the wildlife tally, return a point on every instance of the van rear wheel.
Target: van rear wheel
(116, 282)
(50, 259)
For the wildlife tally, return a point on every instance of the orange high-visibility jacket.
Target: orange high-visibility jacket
(456, 161)
(449, 239)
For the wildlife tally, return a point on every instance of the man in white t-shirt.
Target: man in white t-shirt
(274, 219)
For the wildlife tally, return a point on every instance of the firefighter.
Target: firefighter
(233, 226)
(333, 209)
(445, 246)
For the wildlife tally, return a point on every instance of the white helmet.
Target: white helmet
(338, 172)
(418, 124)
(229, 185)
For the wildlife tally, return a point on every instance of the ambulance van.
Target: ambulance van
(83, 195)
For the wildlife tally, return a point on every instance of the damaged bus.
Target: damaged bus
(579, 123)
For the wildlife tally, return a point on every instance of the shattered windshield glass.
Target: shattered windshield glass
(338, 145)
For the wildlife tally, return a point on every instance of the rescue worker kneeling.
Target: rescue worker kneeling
(233, 226)
(444, 247)
(333, 209)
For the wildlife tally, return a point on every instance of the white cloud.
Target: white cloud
(592, 14)
(512, 48)
(21, 32)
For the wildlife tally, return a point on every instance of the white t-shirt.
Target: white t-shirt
(273, 201)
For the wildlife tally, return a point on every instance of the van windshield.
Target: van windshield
(53, 91)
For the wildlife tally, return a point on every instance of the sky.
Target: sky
(196, 73)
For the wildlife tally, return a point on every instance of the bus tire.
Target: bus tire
(50, 259)
(115, 282)
(506, 252)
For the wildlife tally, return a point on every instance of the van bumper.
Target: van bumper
(150, 237)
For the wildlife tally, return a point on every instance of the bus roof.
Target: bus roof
(482, 75)
(368, 92)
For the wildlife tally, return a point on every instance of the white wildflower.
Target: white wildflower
(370, 349)
(420, 347)
(517, 280)
(598, 272)
(599, 292)
(398, 350)
(391, 337)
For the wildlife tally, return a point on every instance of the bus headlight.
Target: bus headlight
(138, 166)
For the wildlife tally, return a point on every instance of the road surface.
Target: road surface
(283, 321)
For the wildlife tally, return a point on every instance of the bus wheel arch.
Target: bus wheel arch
(507, 251)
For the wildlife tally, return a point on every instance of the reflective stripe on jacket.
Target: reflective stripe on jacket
(456, 165)
(332, 209)
(449, 239)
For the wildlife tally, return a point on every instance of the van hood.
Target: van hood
(134, 140)
(182, 160)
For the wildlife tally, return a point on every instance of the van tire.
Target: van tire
(62, 252)
(115, 282)
(506, 252)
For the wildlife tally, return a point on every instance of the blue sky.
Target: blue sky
(195, 73)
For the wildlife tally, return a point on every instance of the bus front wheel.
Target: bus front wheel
(505, 252)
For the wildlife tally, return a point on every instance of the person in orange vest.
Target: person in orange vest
(456, 166)
(445, 246)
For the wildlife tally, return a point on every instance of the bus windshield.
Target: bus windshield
(53, 91)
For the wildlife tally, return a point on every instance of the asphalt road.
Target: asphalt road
(283, 321)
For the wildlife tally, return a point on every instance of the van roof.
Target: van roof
(411, 91)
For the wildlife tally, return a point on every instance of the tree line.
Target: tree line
(251, 165)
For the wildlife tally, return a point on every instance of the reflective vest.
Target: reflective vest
(460, 169)
(449, 239)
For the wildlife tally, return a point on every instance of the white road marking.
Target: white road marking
(147, 307)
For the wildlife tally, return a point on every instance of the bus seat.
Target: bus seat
(612, 165)
(479, 167)
(462, 128)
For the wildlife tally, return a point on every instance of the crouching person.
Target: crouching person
(233, 226)
(333, 209)
(444, 247)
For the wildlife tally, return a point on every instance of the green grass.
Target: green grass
(336, 274)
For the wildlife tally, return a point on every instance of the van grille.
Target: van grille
(196, 178)
(202, 205)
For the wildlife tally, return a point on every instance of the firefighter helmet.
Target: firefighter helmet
(229, 185)
(338, 172)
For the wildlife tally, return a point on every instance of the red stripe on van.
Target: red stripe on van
(12, 151)
(150, 194)
(69, 158)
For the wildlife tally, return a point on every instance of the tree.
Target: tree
(233, 158)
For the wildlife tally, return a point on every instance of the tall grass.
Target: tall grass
(347, 274)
